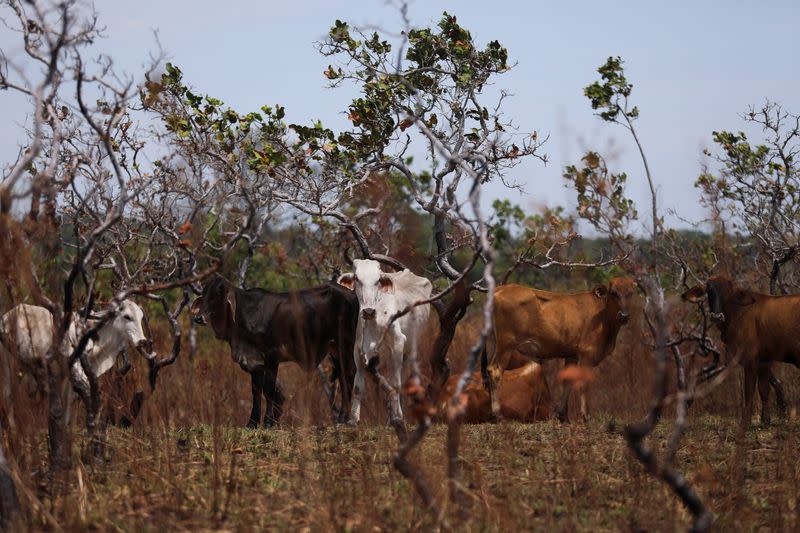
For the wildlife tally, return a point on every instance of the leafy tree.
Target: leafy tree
(757, 187)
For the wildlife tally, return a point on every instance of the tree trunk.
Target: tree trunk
(449, 317)
(58, 436)
(9, 505)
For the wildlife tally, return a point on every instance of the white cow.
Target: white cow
(27, 331)
(381, 295)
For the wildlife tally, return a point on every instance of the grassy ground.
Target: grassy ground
(535, 477)
(186, 465)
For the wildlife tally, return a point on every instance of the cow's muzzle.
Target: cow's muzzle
(368, 313)
(719, 317)
(623, 317)
(145, 347)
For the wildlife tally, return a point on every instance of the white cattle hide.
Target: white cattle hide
(27, 331)
(380, 296)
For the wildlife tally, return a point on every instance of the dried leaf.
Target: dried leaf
(577, 377)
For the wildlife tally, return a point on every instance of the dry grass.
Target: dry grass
(186, 464)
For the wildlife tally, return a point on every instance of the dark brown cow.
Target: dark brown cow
(757, 329)
(524, 396)
(266, 328)
(581, 328)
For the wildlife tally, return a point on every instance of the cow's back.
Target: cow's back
(27, 330)
(768, 329)
(546, 324)
(409, 289)
(303, 324)
(524, 396)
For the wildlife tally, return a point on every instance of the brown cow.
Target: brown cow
(524, 396)
(757, 329)
(581, 328)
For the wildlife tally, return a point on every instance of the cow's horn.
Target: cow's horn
(347, 258)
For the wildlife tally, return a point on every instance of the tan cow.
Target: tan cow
(757, 329)
(581, 328)
(524, 396)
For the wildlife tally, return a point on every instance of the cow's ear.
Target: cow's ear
(695, 295)
(600, 291)
(385, 284)
(347, 280)
(194, 309)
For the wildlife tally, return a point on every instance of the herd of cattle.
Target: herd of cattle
(352, 321)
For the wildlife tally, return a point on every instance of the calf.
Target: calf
(381, 295)
(580, 328)
(266, 328)
(757, 329)
(523, 393)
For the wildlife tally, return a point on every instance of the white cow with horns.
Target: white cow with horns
(380, 296)
(27, 332)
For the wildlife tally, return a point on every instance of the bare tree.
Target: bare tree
(81, 171)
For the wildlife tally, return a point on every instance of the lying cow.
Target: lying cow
(757, 329)
(380, 296)
(28, 330)
(523, 393)
(266, 328)
(581, 328)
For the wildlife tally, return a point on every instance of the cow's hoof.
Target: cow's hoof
(252, 424)
(495, 418)
(351, 423)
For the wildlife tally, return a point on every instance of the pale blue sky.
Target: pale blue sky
(695, 66)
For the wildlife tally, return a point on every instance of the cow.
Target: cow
(27, 331)
(381, 295)
(523, 392)
(757, 329)
(581, 328)
(264, 329)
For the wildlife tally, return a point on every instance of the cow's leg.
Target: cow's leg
(339, 381)
(584, 409)
(764, 374)
(274, 395)
(329, 389)
(750, 376)
(257, 387)
(344, 354)
(497, 360)
(566, 390)
(563, 405)
(358, 389)
(780, 395)
(396, 374)
(136, 404)
(40, 378)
